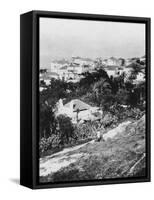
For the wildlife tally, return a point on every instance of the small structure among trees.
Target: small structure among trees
(78, 111)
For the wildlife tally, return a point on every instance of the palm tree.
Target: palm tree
(102, 87)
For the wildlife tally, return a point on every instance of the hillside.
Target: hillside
(120, 156)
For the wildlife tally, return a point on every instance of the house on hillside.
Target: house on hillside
(112, 61)
(128, 61)
(113, 70)
(83, 64)
(78, 111)
(56, 65)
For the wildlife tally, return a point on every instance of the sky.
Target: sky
(64, 38)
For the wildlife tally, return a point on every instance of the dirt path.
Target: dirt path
(53, 163)
(119, 129)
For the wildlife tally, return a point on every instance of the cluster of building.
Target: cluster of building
(68, 70)
(72, 70)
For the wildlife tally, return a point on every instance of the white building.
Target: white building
(139, 78)
(78, 111)
(54, 66)
(112, 61)
(72, 70)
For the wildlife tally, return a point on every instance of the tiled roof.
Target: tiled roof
(64, 67)
(78, 105)
(111, 67)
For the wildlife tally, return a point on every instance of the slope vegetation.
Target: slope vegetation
(120, 156)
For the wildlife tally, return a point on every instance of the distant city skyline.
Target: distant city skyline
(64, 38)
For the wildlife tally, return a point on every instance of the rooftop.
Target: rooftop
(78, 105)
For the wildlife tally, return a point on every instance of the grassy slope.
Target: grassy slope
(122, 156)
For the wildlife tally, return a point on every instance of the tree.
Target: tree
(66, 129)
(122, 96)
(118, 82)
(55, 91)
(102, 87)
(48, 99)
(48, 122)
(86, 83)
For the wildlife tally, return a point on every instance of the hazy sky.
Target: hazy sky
(64, 38)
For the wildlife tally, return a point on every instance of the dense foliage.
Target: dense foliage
(118, 98)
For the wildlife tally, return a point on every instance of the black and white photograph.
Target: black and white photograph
(92, 100)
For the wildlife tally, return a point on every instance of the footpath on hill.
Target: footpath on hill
(53, 163)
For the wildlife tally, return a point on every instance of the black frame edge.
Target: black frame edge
(91, 16)
(148, 95)
(26, 100)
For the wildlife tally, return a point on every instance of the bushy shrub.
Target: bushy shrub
(108, 120)
(84, 131)
(87, 130)
(45, 144)
(123, 112)
(62, 135)
(135, 113)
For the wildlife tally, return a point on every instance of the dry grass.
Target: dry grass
(122, 156)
